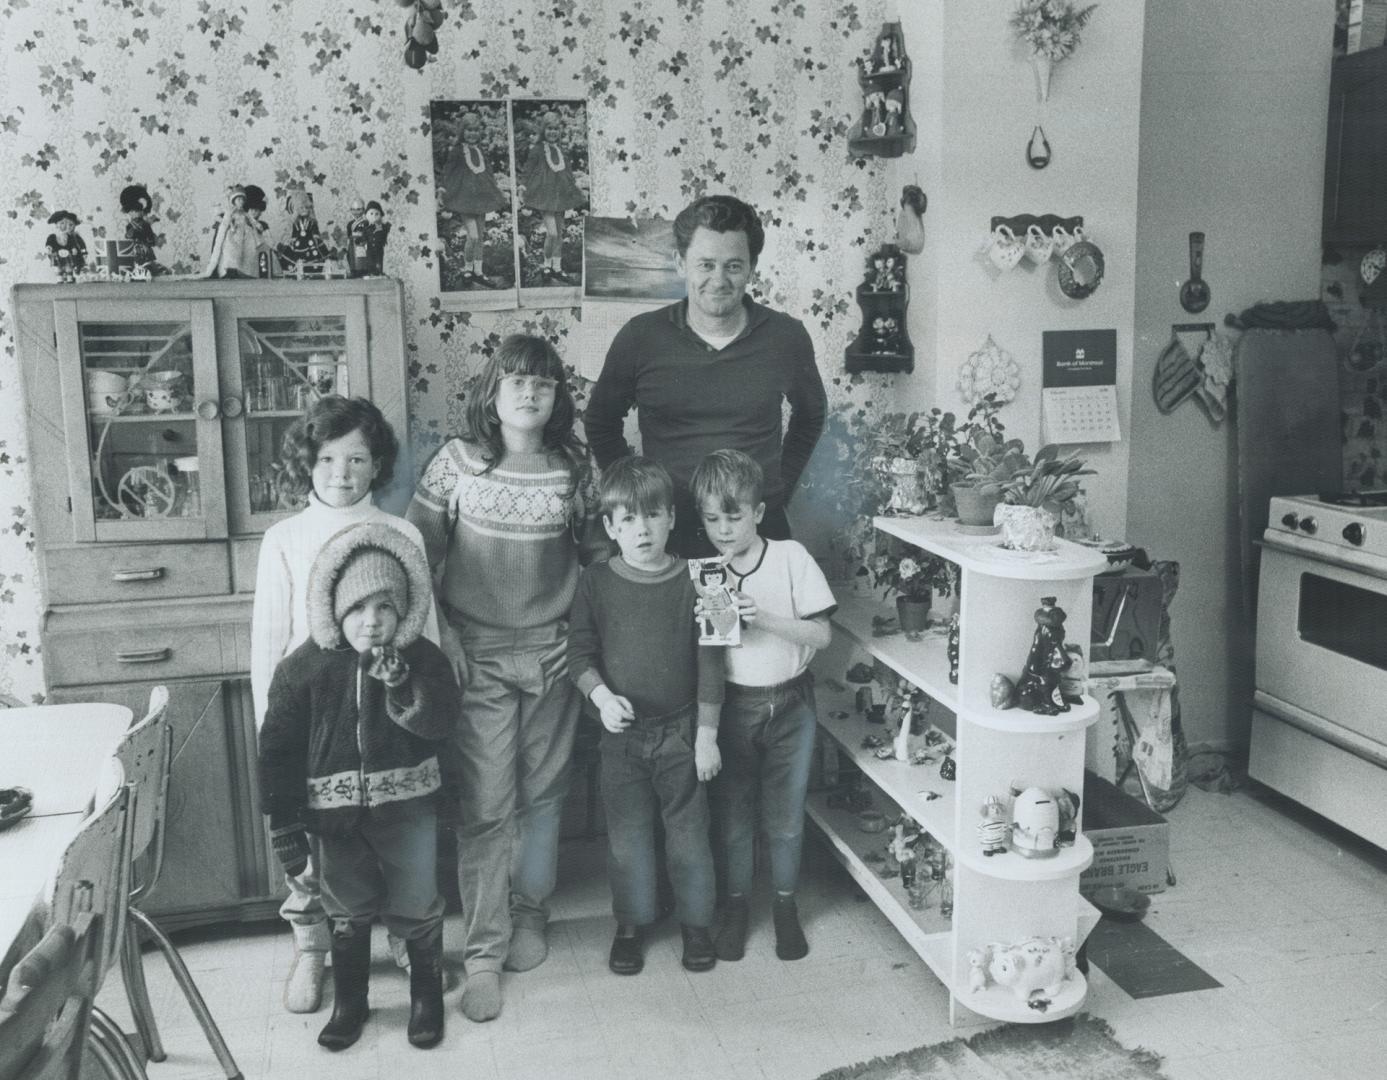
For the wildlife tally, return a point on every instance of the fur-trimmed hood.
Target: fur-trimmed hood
(332, 560)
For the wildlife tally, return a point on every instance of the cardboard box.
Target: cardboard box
(1131, 842)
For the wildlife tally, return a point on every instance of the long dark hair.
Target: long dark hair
(525, 354)
(329, 418)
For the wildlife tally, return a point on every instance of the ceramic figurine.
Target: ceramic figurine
(235, 240)
(886, 57)
(910, 223)
(874, 113)
(256, 205)
(947, 769)
(1002, 692)
(1035, 970)
(305, 245)
(895, 109)
(421, 24)
(66, 250)
(992, 829)
(367, 241)
(1035, 824)
(953, 648)
(136, 204)
(1068, 804)
(885, 334)
(1039, 688)
(903, 851)
(977, 970)
(901, 744)
(716, 607)
(1075, 677)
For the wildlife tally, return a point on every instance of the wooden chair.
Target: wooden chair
(47, 1004)
(146, 756)
(90, 888)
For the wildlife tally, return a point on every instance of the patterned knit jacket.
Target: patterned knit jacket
(325, 761)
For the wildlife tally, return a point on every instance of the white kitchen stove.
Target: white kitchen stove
(1344, 525)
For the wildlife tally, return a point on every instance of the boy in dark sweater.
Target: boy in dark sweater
(633, 651)
(349, 751)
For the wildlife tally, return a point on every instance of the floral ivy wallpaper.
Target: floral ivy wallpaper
(188, 96)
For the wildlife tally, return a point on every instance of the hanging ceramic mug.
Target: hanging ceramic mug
(1039, 247)
(1060, 239)
(1005, 250)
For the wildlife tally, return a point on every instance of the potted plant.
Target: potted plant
(1034, 496)
(1050, 28)
(980, 461)
(907, 448)
(914, 577)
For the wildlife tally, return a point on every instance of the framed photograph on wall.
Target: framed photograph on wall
(474, 189)
(553, 196)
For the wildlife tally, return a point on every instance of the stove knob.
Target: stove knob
(1290, 520)
(1308, 525)
(1353, 533)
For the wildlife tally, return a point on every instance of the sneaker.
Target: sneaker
(303, 992)
(628, 950)
(699, 953)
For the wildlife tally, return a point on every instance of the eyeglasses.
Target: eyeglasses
(533, 384)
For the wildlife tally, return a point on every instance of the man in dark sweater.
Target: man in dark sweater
(712, 373)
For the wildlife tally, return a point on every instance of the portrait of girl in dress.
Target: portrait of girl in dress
(473, 187)
(553, 192)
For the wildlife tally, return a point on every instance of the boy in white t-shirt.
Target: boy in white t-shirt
(769, 720)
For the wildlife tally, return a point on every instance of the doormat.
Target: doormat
(1079, 1048)
(1142, 962)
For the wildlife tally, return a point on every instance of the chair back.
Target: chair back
(145, 754)
(47, 1003)
(94, 875)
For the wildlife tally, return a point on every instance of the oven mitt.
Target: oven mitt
(1216, 358)
(1177, 376)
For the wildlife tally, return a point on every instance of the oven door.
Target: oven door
(1322, 640)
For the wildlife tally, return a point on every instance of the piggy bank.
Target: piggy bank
(1034, 970)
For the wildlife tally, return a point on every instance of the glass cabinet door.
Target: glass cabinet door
(279, 356)
(139, 383)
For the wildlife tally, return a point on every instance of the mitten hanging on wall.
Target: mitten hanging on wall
(421, 41)
(910, 225)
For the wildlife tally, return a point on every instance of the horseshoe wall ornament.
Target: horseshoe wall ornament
(1038, 152)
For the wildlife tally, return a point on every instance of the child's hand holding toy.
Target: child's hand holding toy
(387, 665)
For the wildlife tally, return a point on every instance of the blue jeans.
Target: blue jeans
(767, 742)
(648, 773)
(514, 742)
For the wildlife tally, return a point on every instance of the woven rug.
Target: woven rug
(1080, 1048)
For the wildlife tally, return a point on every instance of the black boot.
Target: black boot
(789, 935)
(731, 939)
(351, 974)
(425, 990)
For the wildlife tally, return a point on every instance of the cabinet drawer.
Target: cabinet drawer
(142, 653)
(245, 559)
(91, 574)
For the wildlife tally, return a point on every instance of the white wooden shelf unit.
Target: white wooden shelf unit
(1002, 898)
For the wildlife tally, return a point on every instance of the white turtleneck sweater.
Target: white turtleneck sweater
(279, 618)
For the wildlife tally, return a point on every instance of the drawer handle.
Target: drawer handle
(145, 656)
(153, 573)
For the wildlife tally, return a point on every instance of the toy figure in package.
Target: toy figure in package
(718, 621)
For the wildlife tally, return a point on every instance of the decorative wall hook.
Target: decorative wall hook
(1038, 153)
(1020, 223)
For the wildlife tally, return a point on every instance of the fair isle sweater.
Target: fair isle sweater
(505, 538)
(279, 615)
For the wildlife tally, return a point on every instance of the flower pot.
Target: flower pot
(908, 494)
(913, 614)
(1026, 528)
(974, 507)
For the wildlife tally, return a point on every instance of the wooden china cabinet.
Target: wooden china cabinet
(155, 417)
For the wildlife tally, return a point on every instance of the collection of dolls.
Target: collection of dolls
(240, 240)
